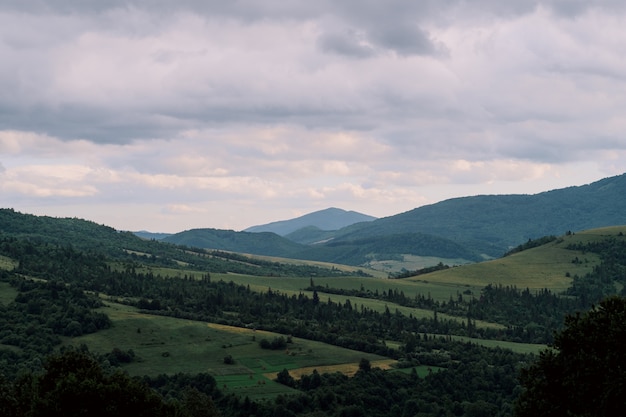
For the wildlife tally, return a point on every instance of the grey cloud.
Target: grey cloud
(359, 10)
(405, 39)
(348, 42)
(359, 29)
(574, 8)
(96, 124)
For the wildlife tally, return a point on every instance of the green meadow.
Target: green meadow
(167, 345)
(549, 266)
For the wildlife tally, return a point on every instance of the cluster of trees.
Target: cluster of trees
(41, 313)
(532, 243)
(276, 343)
(75, 383)
(427, 270)
(529, 317)
(601, 282)
(582, 374)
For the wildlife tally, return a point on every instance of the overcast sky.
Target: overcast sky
(171, 115)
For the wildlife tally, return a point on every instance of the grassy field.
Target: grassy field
(413, 263)
(341, 267)
(348, 369)
(169, 345)
(543, 267)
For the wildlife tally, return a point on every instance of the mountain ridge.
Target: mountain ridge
(331, 218)
(494, 223)
(473, 228)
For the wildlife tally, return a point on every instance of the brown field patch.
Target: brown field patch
(348, 369)
(238, 330)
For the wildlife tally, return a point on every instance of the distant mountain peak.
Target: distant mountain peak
(332, 218)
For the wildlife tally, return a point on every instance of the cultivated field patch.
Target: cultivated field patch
(348, 369)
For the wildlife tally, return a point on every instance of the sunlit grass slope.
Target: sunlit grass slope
(548, 266)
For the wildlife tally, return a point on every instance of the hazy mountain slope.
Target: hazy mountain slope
(349, 252)
(69, 235)
(388, 247)
(494, 223)
(264, 243)
(144, 234)
(328, 219)
(310, 235)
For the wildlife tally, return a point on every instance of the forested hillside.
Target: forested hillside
(90, 237)
(265, 243)
(492, 224)
(357, 251)
(53, 291)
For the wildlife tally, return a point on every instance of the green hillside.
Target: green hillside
(310, 235)
(258, 335)
(357, 252)
(492, 224)
(361, 251)
(126, 247)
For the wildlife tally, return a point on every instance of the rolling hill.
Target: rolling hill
(357, 252)
(262, 243)
(127, 248)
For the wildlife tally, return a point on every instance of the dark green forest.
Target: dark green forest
(58, 287)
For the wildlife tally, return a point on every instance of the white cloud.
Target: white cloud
(236, 113)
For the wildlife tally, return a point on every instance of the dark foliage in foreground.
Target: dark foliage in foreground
(583, 375)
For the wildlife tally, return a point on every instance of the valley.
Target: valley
(265, 334)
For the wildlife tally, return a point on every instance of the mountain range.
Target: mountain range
(467, 228)
(459, 230)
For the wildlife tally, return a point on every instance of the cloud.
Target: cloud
(188, 109)
(348, 42)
